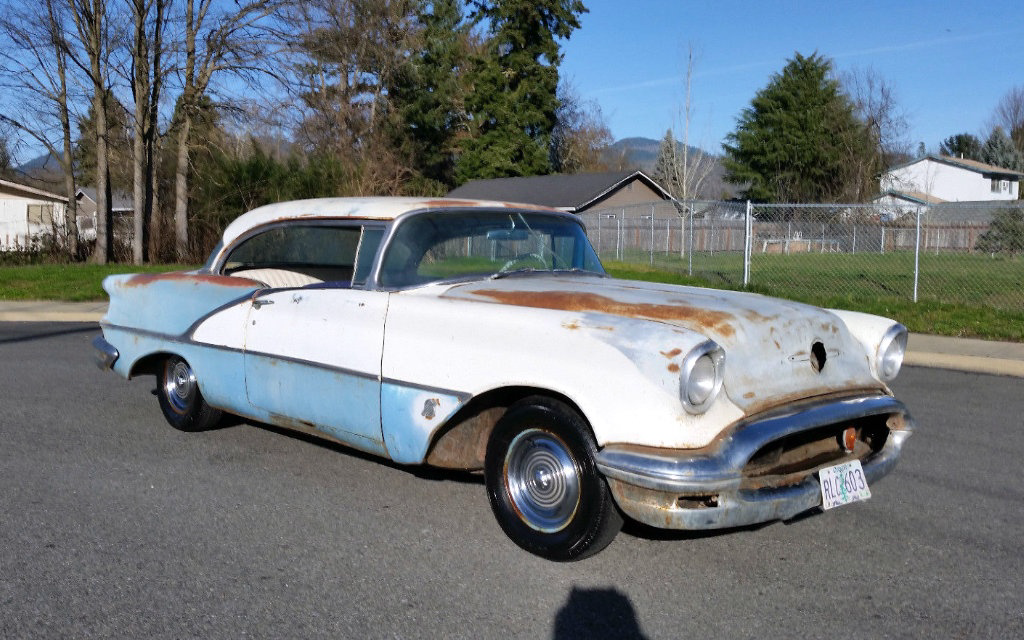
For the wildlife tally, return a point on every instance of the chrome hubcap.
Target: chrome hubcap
(179, 385)
(542, 480)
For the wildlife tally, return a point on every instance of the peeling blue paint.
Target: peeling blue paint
(408, 424)
(343, 405)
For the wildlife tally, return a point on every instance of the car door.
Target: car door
(312, 361)
(314, 336)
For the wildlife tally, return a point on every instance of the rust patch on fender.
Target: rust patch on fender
(144, 279)
(671, 354)
(572, 326)
(718, 321)
(673, 367)
(428, 408)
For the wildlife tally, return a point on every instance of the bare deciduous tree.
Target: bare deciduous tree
(35, 69)
(146, 77)
(90, 18)
(696, 165)
(227, 40)
(877, 106)
(581, 138)
(1009, 114)
(349, 54)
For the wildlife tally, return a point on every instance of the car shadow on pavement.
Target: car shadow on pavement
(21, 336)
(420, 471)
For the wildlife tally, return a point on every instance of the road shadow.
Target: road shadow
(597, 613)
(640, 530)
(420, 471)
(42, 331)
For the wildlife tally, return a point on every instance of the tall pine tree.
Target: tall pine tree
(427, 91)
(668, 168)
(513, 98)
(961, 145)
(999, 151)
(799, 140)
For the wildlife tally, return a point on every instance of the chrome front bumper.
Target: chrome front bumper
(676, 489)
(104, 353)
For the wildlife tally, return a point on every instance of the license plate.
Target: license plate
(843, 484)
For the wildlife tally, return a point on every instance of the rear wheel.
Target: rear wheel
(543, 485)
(181, 401)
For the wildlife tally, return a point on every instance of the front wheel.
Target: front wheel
(543, 485)
(181, 401)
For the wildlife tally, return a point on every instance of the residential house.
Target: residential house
(27, 214)
(575, 193)
(934, 179)
(122, 210)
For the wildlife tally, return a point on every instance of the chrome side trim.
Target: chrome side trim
(719, 468)
(104, 353)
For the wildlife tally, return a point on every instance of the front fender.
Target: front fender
(623, 373)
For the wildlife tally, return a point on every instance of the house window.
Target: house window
(41, 214)
(1000, 186)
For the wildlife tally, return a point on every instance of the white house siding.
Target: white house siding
(16, 231)
(953, 184)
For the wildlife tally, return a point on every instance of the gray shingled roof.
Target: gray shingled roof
(569, 192)
(119, 200)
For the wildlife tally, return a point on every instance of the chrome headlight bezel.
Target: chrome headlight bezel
(891, 350)
(693, 365)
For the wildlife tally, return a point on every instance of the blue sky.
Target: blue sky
(948, 62)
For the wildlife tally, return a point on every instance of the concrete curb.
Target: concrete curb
(961, 354)
(973, 364)
(47, 311)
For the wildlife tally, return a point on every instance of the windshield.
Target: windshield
(443, 245)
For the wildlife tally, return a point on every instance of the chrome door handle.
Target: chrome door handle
(256, 304)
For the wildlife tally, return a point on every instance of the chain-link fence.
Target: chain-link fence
(949, 253)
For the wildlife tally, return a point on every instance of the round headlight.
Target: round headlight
(701, 377)
(889, 358)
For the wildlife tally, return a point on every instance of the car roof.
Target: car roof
(382, 208)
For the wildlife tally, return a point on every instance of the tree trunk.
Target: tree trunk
(104, 250)
(181, 191)
(140, 161)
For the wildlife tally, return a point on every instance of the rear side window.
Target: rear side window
(327, 253)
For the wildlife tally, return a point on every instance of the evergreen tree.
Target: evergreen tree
(668, 165)
(426, 93)
(6, 168)
(1005, 234)
(119, 147)
(999, 151)
(799, 140)
(961, 145)
(513, 101)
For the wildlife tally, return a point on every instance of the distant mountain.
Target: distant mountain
(642, 153)
(46, 162)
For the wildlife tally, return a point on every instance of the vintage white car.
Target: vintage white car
(487, 336)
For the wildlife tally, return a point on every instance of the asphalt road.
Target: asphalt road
(114, 525)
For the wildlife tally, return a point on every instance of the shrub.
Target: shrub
(1005, 235)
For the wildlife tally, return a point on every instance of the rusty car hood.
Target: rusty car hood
(768, 341)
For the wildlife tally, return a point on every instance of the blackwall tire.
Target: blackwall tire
(543, 485)
(181, 401)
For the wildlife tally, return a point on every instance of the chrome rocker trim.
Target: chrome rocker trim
(648, 483)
